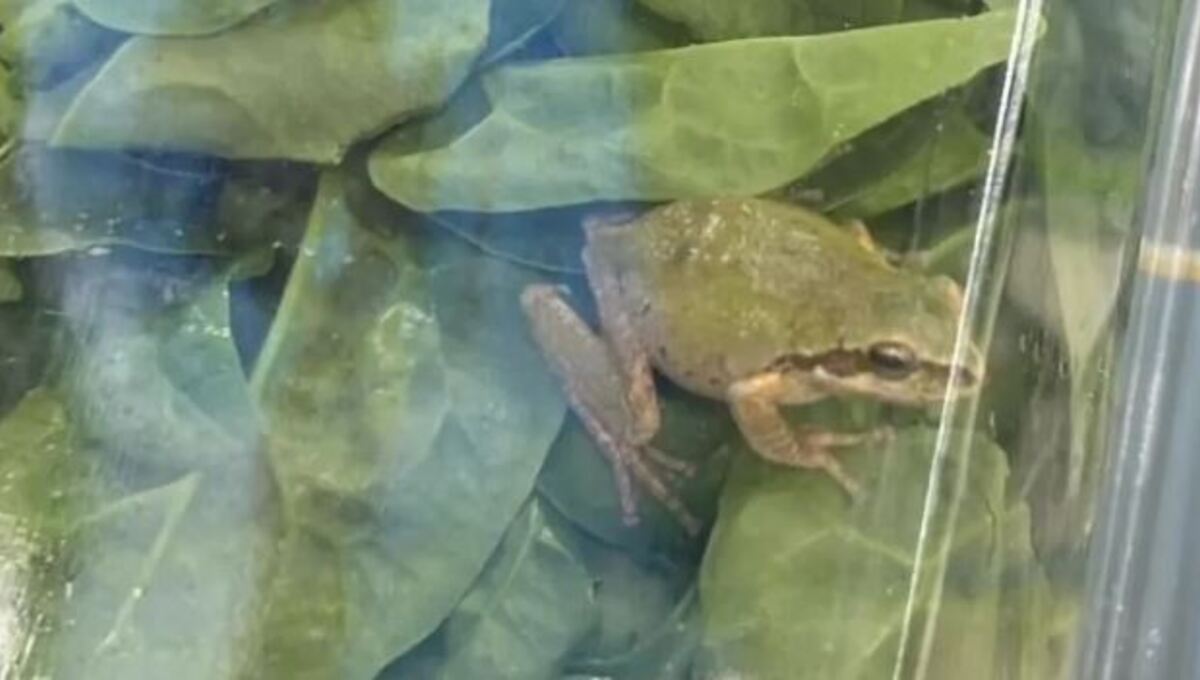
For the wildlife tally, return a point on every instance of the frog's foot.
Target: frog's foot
(629, 461)
(642, 465)
(825, 439)
(755, 403)
(818, 444)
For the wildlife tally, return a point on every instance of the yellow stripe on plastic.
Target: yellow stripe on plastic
(1170, 262)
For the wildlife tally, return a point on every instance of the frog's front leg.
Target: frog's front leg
(610, 403)
(755, 403)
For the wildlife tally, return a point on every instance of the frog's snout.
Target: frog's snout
(968, 377)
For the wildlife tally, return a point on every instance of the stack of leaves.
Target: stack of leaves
(269, 408)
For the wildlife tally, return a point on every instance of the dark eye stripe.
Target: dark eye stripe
(846, 363)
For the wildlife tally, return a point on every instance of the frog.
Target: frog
(759, 303)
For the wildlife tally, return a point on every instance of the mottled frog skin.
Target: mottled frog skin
(753, 302)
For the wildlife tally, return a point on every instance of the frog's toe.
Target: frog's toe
(670, 463)
(538, 295)
(848, 484)
(630, 519)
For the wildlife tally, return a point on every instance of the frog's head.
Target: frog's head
(906, 353)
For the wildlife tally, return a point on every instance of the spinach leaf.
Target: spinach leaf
(530, 606)
(29, 339)
(46, 488)
(1091, 176)
(352, 70)
(9, 9)
(648, 126)
(530, 239)
(756, 18)
(954, 155)
(932, 147)
(664, 653)
(57, 201)
(408, 414)
(154, 379)
(797, 583)
(577, 479)
(10, 111)
(46, 480)
(514, 22)
(613, 26)
(170, 17)
(636, 602)
(10, 286)
(54, 201)
(162, 555)
(50, 42)
(162, 580)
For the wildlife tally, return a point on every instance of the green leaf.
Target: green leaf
(664, 653)
(647, 126)
(44, 477)
(28, 344)
(577, 479)
(797, 583)
(161, 559)
(530, 606)
(958, 155)
(408, 415)
(50, 42)
(1089, 141)
(758, 18)
(638, 604)
(897, 164)
(350, 70)
(514, 22)
(1091, 192)
(45, 488)
(9, 9)
(11, 289)
(53, 202)
(156, 381)
(10, 111)
(165, 581)
(170, 17)
(590, 27)
(539, 240)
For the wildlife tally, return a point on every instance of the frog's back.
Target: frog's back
(780, 249)
(719, 289)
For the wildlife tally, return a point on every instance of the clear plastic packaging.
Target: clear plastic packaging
(630, 339)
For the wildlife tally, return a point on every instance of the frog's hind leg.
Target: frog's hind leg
(597, 391)
(755, 403)
(632, 358)
(633, 362)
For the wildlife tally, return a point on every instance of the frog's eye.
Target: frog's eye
(892, 360)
